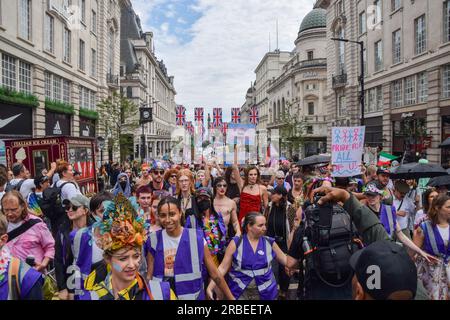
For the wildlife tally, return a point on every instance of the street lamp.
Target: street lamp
(361, 77)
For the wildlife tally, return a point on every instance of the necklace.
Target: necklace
(185, 204)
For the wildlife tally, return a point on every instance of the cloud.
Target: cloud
(228, 40)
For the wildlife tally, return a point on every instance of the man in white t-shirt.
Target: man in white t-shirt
(22, 177)
(404, 206)
(66, 175)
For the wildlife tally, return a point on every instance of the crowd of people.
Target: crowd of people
(166, 231)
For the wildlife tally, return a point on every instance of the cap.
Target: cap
(383, 170)
(280, 190)
(157, 165)
(40, 179)
(383, 268)
(372, 189)
(401, 186)
(202, 191)
(280, 174)
(78, 200)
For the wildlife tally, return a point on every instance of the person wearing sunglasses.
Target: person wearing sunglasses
(170, 179)
(77, 210)
(158, 183)
(225, 206)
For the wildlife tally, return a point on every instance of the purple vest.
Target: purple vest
(434, 244)
(248, 265)
(388, 218)
(188, 263)
(27, 279)
(81, 243)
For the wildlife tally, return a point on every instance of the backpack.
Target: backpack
(333, 237)
(10, 187)
(51, 203)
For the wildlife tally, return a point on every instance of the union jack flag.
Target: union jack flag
(181, 116)
(190, 127)
(254, 115)
(224, 128)
(217, 117)
(198, 115)
(235, 115)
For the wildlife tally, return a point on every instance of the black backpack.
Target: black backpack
(333, 237)
(51, 203)
(10, 187)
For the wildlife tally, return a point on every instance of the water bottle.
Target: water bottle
(307, 252)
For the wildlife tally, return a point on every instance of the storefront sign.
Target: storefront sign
(87, 128)
(57, 124)
(15, 120)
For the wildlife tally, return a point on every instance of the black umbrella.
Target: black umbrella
(439, 181)
(308, 161)
(416, 170)
(445, 143)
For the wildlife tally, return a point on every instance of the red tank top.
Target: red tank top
(248, 203)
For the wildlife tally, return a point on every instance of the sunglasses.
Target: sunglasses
(221, 186)
(161, 172)
(73, 208)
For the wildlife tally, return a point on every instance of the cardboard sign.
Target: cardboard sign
(346, 150)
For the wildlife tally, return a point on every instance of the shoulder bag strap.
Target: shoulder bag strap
(22, 229)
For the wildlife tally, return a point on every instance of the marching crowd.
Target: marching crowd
(191, 232)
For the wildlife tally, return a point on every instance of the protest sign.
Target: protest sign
(346, 150)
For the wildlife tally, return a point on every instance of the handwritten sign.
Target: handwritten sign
(346, 150)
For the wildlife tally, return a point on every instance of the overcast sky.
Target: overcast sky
(212, 47)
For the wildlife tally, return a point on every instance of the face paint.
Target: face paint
(117, 267)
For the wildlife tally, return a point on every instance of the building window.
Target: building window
(339, 7)
(447, 21)
(57, 88)
(365, 62)
(395, 4)
(310, 108)
(310, 55)
(377, 12)
(410, 90)
(67, 39)
(9, 72)
(24, 77)
(49, 33)
(362, 22)
(379, 98)
(94, 63)
(66, 91)
(92, 100)
(420, 35)
(342, 108)
(48, 85)
(341, 52)
(446, 81)
(81, 61)
(378, 55)
(83, 10)
(397, 97)
(309, 130)
(371, 101)
(396, 47)
(422, 86)
(111, 52)
(25, 19)
(94, 22)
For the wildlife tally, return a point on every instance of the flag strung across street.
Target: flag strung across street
(224, 128)
(235, 115)
(181, 115)
(254, 115)
(198, 115)
(217, 117)
(190, 127)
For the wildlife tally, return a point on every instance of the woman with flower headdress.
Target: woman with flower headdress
(121, 235)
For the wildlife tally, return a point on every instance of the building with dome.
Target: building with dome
(299, 91)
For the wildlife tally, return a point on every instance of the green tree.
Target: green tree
(119, 117)
(292, 131)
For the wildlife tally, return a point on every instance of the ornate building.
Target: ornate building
(407, 72)
(299, 91)
(144, 80)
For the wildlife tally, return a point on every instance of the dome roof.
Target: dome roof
(317, 18)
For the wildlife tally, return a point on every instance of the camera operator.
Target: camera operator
(367, 223)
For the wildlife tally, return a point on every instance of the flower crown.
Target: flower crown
(372, 188)
(123, 225)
